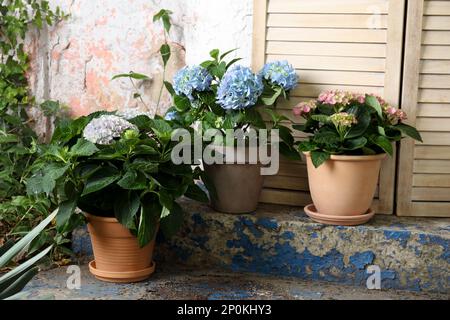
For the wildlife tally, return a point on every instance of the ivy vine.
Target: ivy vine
(18, 141)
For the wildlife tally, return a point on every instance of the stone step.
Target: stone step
(174, 283)
(409, 253)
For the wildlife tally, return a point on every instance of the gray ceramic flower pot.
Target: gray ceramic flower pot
(238, 186)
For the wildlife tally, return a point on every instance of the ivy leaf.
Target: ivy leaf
(319, 157)
(165, 53)
(83, 148)
(409, 131)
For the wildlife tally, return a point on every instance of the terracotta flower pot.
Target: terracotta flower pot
(118, 257)
(344, 186)
(238, 185)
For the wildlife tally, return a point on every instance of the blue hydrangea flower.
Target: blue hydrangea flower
(190, 79)
(280, 73)
(240, 88)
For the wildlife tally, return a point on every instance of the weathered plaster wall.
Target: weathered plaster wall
(74, 61)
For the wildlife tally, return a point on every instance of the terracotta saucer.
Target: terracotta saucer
(121, 277)
(311, 211)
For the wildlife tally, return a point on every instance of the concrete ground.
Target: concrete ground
(187, 283)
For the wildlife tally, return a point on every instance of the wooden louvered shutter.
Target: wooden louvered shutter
(424, 168)
(353, 45)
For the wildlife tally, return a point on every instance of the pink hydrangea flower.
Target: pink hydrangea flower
(304, 108)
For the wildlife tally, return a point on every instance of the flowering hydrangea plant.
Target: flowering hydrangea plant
(240, 88)
(191, 79)
(280, 73)
(349, 123)
(109, 166)
(225, 96)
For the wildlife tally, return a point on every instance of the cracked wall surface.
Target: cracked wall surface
(74, 61)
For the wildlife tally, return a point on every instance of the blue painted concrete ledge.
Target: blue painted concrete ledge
(411, 253)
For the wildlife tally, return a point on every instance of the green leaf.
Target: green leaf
(196, 193)
(165, 199)
(384, 143)
(173, 222)
(83, 148)
(162, 129)
(166, 22)
(181, 103)
(66, 209)
(22, 243)
(306, 146)
(169, 88)
(131, 74)
(363, 117)
(373, 102)
(409, 131)
(8, 138)
(214, 54)
(269, 97)
(285, 135)
(165, 53)
(326, 137)
(223, 55)
(100, 179)
(45, 180)
(289, 151)
(126, 207)
(321, 118)
(132, 181)
(229, 64)
(149, 218)
(356, 143)
(254, 118)
(24, 265)
(50, 108)
(381, 131)
(319, 157)
(16, 284)
(142, 164)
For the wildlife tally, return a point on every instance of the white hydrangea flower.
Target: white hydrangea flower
(132, 113)
(104, 129)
